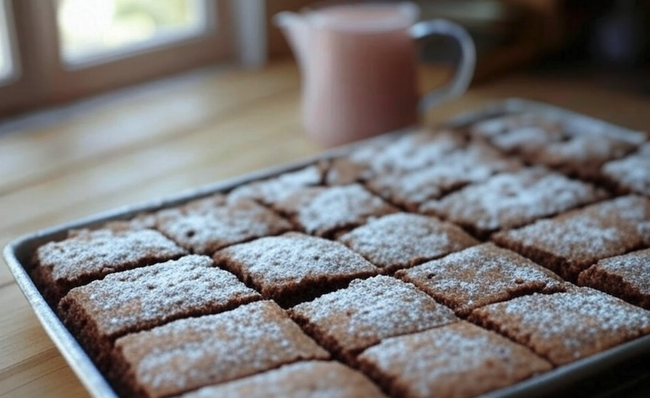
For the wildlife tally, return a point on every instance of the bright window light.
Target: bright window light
(6, 60)
(96, 30)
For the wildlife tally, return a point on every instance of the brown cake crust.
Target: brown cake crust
(480, 275)
(294, 267)
(89, 255)
(367, 312)
(402, 240)
(454, 361)
(565, 327)
(300, 380)
(140, 299)
(196, 352)
(626, 276)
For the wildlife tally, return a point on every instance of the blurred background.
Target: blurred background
(56, 51)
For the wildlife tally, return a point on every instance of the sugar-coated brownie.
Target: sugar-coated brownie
(632, 173)
(480, 275)
(309, 379)
(511, 200)
(88, 255)
(401, 240)
(454, 361)
(196, 352)
(564, 327)
(449, 171)
(626, 276)
(275, 189)
(294, 267)
(349, 320)
(408, 152)
(573, 241)
(206, 225)
(142, 298)
(324, 211)
(570, 146)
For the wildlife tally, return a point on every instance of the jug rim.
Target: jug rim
(409, 15)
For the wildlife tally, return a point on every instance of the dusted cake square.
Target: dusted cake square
(294, 267)
(196, 352)
(89, 255)
(402, 239)
(565, 327)
(479, 276)
(632, 173)
(206, 225)
(309, 379)
(626, 276)
(454, 361)
(366, 312)
(142, 298)
(511, 200)
(573, 241)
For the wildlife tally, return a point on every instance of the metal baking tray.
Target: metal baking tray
(19, 252)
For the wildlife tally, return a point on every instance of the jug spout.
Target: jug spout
(295, 29)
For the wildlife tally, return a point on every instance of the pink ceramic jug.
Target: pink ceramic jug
(358, 67)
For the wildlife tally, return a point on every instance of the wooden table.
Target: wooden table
(143, 143)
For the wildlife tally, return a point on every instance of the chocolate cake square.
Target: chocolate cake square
(207, 225)
(571, 242)
(565, 327)
(454, 361)
(89, 255)
(402, 240)
(626, 276)
(324, 211)
(480, 275)
(294, 267)
(349, 320)
(571, 146)
(196, 352)
(300, 380)
(140, 299)
(273, 190)
(450, 171)
(632, 173)
(511, 200)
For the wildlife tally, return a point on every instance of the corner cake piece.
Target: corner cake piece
(454, 361)
(89, 255)
(390, 154)
(401, 240)
(448, 172)
(626, 276)
(324, 211)
(207, 225)
(191, 353)
(479, 276)
(511, 200)
(631, 173)
(140, 299)
(368, 311)
(275, 189)
(571, 242)
(294, 267)
(575, 146)
(310, 379)
(565, 327)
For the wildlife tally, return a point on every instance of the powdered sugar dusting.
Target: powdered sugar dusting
(576, 324)
(632, 172)
(633, 268)
(513, 199)
(371, 310)
(149, 296)
(97, 253)
(196, 352)
(402, 239)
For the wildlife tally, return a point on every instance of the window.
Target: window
(7, 67)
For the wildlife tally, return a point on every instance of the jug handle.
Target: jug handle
(464, 72)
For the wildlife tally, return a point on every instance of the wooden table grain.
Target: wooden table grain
(148, 142)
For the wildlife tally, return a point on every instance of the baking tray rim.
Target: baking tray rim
(16, 251)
